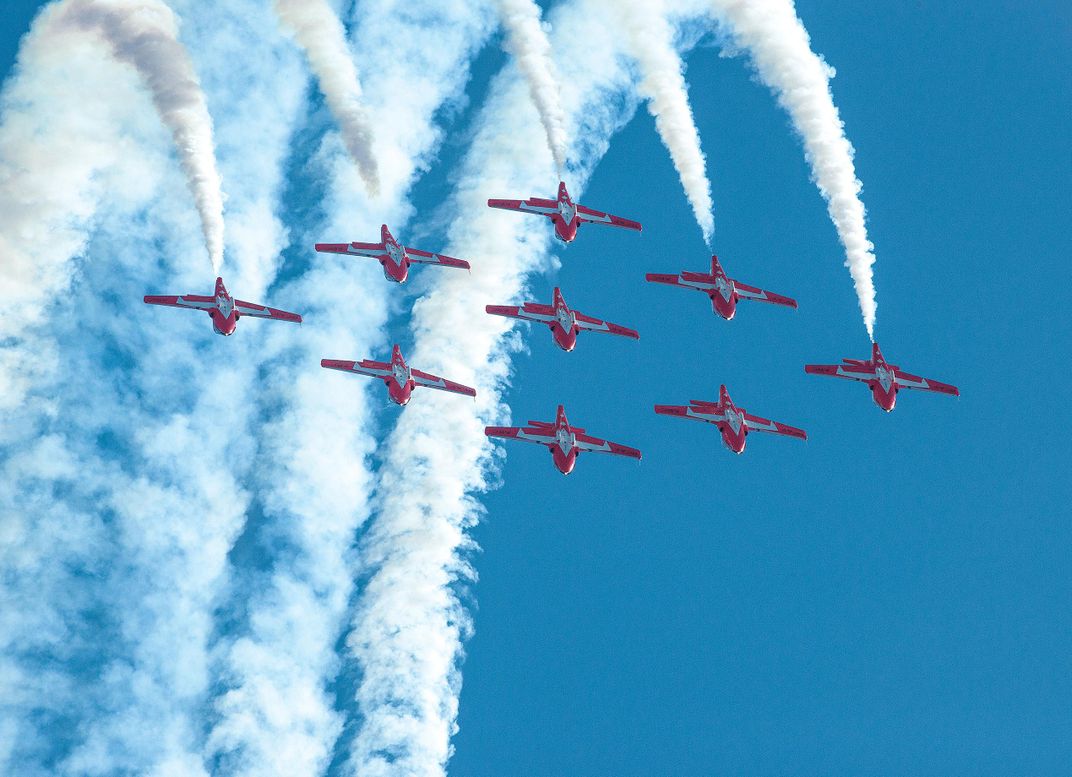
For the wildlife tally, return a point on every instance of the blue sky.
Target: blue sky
(890, 597)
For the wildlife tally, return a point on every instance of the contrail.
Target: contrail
(123, 467)
(410, 623)
(321, 35)
(650, 41)
(527, 41)
(781, 53)
(277, 713)
(144, 33)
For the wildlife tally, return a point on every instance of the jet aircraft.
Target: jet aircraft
(223, 309)
(400, 378)
(565, 213)
(733, 422)
(723, 291)
(395, 257)
(565, 324)
(884, 379)
(565, 442)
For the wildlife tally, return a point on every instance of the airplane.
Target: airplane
(395, 257)
(884, 379)
(723, 291)
(565, 213)
(565, 442)
(223, 309)
(400, 378)
(565, 324)
(733, 422)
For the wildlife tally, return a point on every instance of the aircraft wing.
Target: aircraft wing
(531, 205)
(589, 444)
(363, 367)
(711, 415)
(757, 424)
(524, 434)
(909, 381)
(599, 217)
(543, 314)
(751, 292)
(677, 280)
(595, 325)
(375, 250)
(435, 382)
(423, 257)
(192, 301)
(260, 311)
(850, 371)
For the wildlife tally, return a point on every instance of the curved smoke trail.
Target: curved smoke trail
(144, 33)
(780, 49)
(278, 713)
(321, 35)
(527, 41)
(411, 623)
(124, 469)
(650, 42)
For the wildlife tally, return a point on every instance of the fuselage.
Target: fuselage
(565, 220)
(884, 387)
(396, 265)
(735, 429)
(224, 316)
(723, 296)
(563, 451)
(564, 328)
(400, 385)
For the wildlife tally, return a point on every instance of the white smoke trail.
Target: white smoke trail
(321, 35)
(278, 714)
(122, 465)
(53, 164)
(410, 625)
(144, 33)
(650, 41)
(780, 50)
(527, 41)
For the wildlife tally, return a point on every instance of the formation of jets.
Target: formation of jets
(567, 442)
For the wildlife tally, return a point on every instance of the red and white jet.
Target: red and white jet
(723, 291)
(399, 377)
(734, 422)
(565, 324)
(223, 309)
(884, 379)
(395, 257)
(565, 442)
(565, 213)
